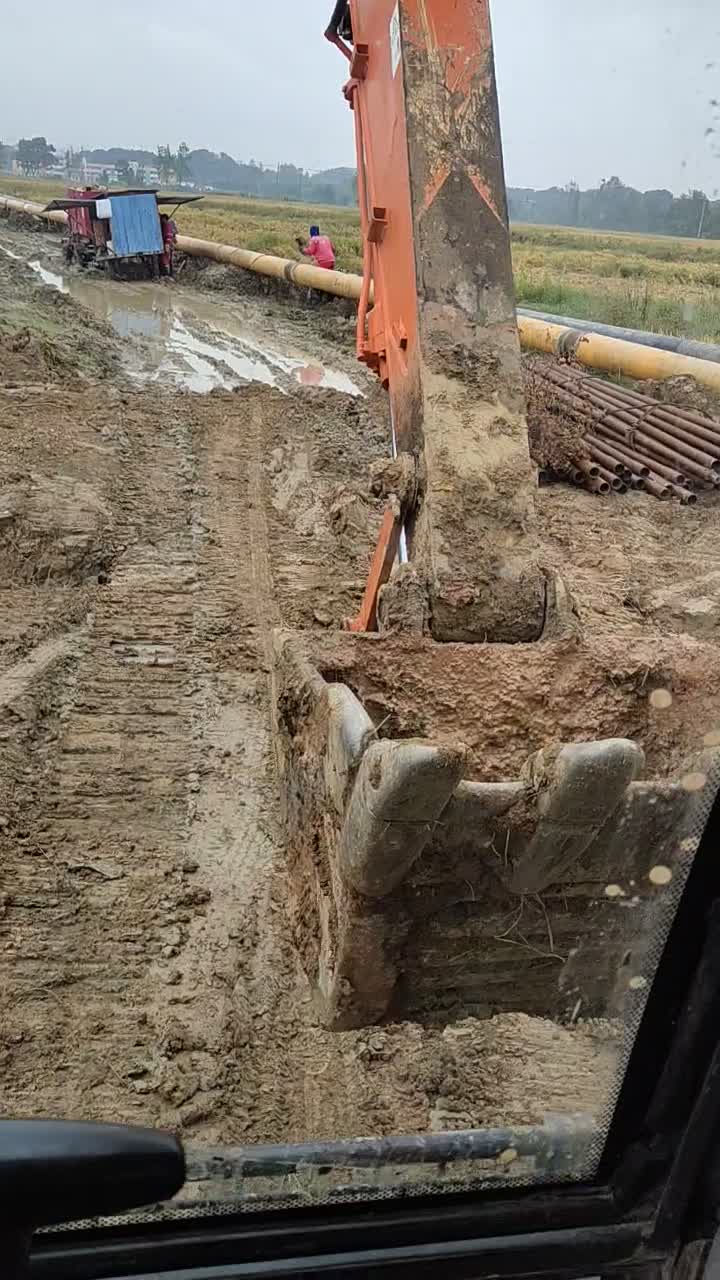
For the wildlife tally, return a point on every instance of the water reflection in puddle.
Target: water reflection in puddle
(224, 355)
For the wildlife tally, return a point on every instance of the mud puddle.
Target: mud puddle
(188, 341)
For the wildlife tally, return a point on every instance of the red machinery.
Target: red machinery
(436, 319)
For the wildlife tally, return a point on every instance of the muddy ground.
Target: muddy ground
(150, 539)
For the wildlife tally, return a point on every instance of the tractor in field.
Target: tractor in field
(118, 231)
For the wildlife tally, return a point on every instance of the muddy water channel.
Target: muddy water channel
(181, 338)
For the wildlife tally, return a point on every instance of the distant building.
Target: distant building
(151, 176)
(91, 174)
(76, 169)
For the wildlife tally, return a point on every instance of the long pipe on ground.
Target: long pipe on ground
(643, 337)
(592, 349)
(614, 355)
(32, 210)
(340, 283)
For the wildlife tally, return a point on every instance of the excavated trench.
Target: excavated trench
(151, 542)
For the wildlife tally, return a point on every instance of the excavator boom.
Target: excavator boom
(454, 815)
(441, 332)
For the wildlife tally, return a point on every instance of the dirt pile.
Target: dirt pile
(555, 440)
(44, 336)
(657, 564)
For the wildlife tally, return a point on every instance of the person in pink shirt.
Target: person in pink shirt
(320, 248)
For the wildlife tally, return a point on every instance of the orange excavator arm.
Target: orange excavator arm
(433, 790)
(436, 318)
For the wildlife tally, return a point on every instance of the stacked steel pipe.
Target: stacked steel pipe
(634, 441)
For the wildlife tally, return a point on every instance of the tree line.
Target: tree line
(184, 166)
(34, 154)
(614, 206)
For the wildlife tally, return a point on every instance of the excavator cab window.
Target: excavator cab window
(359, 822)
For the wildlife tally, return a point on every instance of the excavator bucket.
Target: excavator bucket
(470, 822)
(458, 871)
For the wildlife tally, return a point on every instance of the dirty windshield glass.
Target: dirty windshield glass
(359, 670)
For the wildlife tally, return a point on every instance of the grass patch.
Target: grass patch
(635, 307)
(661, 248)
(269, 227)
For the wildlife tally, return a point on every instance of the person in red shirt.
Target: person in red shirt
(169, 236)
(320, 248)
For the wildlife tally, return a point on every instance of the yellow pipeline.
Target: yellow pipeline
(31, 209)
(614, 355)
(595, 350)
(339, 283)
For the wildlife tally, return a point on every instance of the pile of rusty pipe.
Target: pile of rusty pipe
(594, 350)
(630, 402)
(673, 444)
(692, 427)
(703, 450)
(589, 475)
(687, 441)
(650, 445)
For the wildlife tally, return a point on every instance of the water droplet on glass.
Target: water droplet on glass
(638, 983)
(712, 739)
(661, 699)
(614, 891)
(660, 875)
(507, 1156)
(694, 781)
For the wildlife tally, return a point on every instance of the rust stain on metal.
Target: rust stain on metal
(665, 450)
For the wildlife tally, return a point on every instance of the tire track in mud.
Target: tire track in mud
(270, 996)
(152, 973)
(235, 984)
(149, 829)
(103, 855)
(267, 610)
(147, 967)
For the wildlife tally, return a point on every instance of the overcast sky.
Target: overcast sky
(625, 86)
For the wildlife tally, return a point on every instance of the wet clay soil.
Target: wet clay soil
(644, 585)
(149, 542)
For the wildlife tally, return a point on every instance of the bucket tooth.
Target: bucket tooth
(578, 788)
(399, 795)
